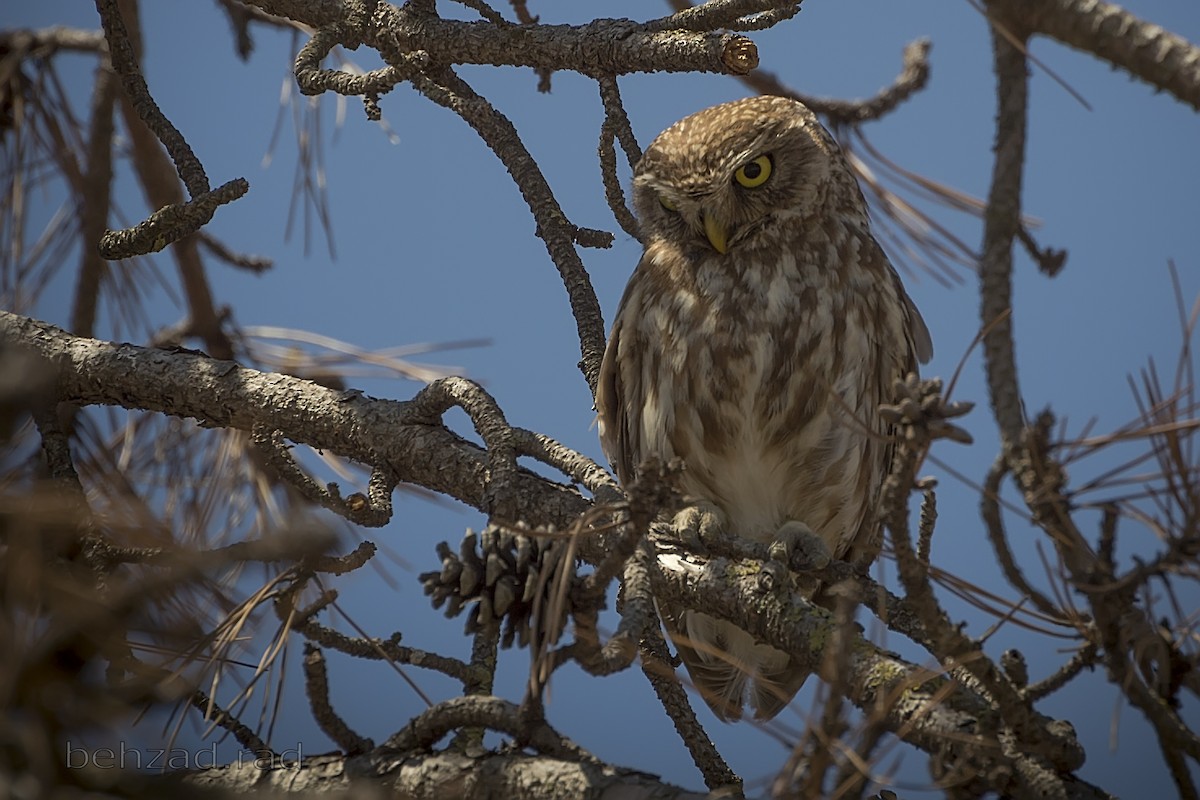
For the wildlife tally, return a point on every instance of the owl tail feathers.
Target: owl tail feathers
(720, 684)
(773, 692)
(724, 661)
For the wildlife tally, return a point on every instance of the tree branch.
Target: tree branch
(434, 775)
(931, 712)
(383, 433)
(1144, 50)
(609, 46)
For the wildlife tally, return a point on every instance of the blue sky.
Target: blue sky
(434, 243)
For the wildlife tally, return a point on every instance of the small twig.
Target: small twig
(656, 490)
(656, 665)
(170, 223)
(175, 221)
(56, 447)
(854, 773)
(222, 718)
(1013, 662)
(912, 78)
(927, 522)
(313, 80)
(445, 88)
(373, 510)
(720, 14)
(989, 510)
(763, 20)
(389, 650)
(616, 126)
(485, 11)
(918, 420)
(316, 686)
(812, 758)
(484, 712)
(124, 61)
(1086, 657)
(253, 264)
(615, 116)
(1107, 545)
(440, 396)
(239, 16)
(638, 615)
(340, 565)
(377, 644)
(1050, 261)
(484, 651)
(1043, 482)
(296, 544)
(591, 237)
(1002, 220)
(89, 545)
(574, 465)
(521, 9)
(1181, 772)
(525, 18)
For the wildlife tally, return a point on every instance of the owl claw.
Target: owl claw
(795, 544)
(697, 524)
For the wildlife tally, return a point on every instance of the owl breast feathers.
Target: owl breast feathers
(756, 339)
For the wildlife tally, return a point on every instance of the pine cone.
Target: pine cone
(501, 573)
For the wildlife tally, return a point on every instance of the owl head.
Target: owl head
(723, 178)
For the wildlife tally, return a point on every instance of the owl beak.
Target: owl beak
(716, 233)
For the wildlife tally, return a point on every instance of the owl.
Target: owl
(756, 339)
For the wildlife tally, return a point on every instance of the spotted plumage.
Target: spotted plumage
(756, 339)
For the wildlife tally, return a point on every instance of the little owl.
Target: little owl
(758, 336)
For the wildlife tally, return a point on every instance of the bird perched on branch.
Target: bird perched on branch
(756, 339)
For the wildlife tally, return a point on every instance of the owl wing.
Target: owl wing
(617, 381)
(916, 332)
(916, 347)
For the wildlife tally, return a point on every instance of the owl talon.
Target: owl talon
(796, 544)
(698, 524)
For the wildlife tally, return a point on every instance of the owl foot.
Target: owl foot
(796, 544)
(697, 524)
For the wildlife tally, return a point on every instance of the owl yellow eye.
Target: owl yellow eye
(667, 203)
(755, 173)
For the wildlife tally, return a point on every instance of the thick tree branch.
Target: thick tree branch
(929, 711)
(603, 46)
(443, 774)
(1144, 50)
(221, 394)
